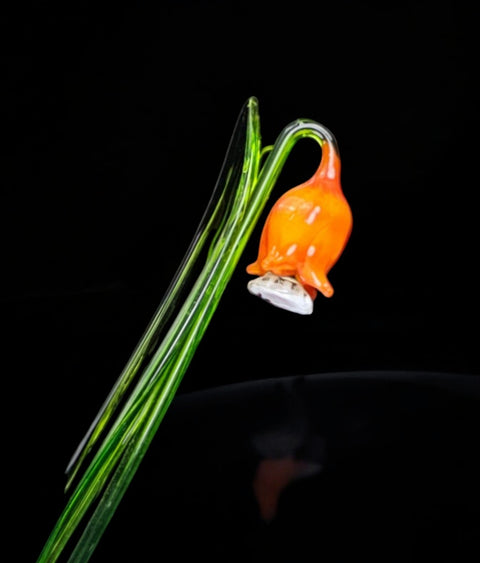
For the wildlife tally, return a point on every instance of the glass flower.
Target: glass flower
(304, 235)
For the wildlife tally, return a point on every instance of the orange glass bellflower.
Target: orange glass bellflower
(304, 235)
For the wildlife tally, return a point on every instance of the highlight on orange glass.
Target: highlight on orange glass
(303, 237)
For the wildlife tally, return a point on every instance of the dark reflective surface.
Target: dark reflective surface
(377, 466)
(116, 123)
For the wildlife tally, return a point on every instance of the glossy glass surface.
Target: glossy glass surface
(335, 467)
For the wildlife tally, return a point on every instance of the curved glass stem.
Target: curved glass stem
(291, 134)
(236, 204)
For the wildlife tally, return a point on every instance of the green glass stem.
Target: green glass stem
(234, 213)
(211, 222)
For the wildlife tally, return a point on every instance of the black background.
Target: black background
(116, 122)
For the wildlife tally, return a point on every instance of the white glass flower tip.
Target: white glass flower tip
(284, 292)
